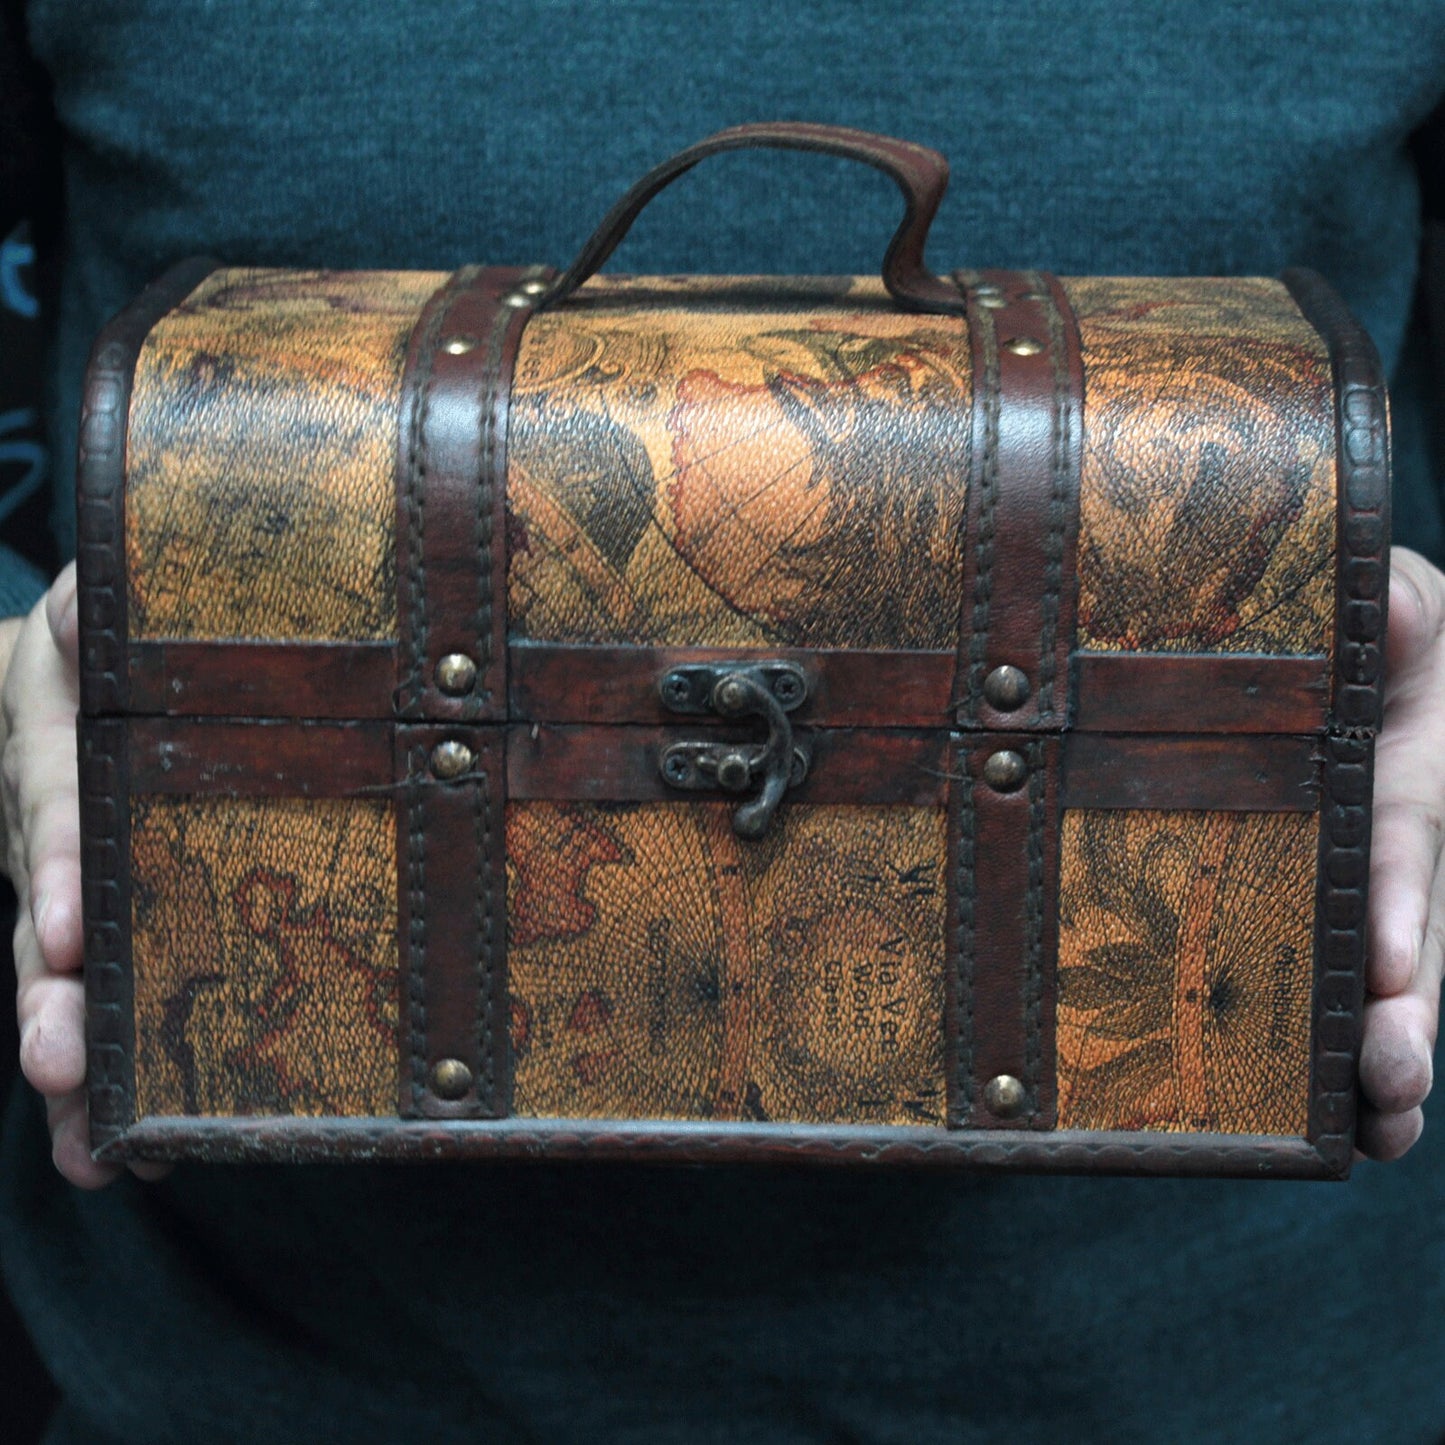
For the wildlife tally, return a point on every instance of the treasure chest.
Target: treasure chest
(920, 719)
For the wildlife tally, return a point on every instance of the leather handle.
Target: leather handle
(921, 174)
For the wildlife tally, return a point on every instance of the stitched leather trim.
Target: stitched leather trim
(1003, 867)
(104, 688)
(1363, 465)
(1362, 428)
(451, 922)
(105, 881)
(1020, 579)
(1018, 607)
(451, 473)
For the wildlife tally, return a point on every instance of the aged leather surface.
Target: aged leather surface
(662, 968)
(1349, 749)
(451, 557)
(1207, 496)
(453, 920)
(1003, 864)
(261, 454)
(1185, 970)
(110, 1055)
(789, 472)
(921, 174)
(100, 481)
(1019, 587)
(265, 958)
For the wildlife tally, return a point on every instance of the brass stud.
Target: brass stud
(456, 673)
(517, 298)
(730, 696)
(992, 301)
(1006, 688)
(459, 345)
(733, 772)
(986, 288)
(450, 759)
(1005, 771)
(535, 287)
(1023, 346)
(1005, 1097)
(450, 1079)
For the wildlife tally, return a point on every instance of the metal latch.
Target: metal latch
(769, 690)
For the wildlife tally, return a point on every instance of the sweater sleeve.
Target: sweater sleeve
(29, 200)
(22, 583)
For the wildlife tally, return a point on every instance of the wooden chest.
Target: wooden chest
(706, 718)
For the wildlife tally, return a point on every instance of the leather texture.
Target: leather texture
(450, 480)
(260, 457)
(101, 486)
(661, 967)
(1003, 844)
(1185, 978)
(921, 175)
(1207, 498)
(788, 469)
(265, 961)
(452, 922)
(110, 1022)
(1361, 608)
(1019, 577)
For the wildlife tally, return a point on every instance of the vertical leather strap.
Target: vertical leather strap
(1020, 580)
(1003, 864)
(1015, 635)
(451, 469)
(451, 906)
(105, 790)
(1362, 421)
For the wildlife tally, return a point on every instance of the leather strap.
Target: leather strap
(451, 908)
(1020, 578)
(1003, 871)
(920, 173)
(451, 470)
(1362, 421)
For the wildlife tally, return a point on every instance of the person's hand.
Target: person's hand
(42, 856)
(1406, 948)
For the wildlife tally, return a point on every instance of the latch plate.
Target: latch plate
(769, 690)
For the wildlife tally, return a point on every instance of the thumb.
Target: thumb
(62, 613)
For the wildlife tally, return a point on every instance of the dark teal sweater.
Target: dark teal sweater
(605, 1303)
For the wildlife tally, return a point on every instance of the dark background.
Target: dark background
(26, 1396)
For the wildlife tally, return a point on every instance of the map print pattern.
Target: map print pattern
(264, 937)
(790, 475)
(1207, 495)
(261, 491)
(1186, 968)
(661, 968)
